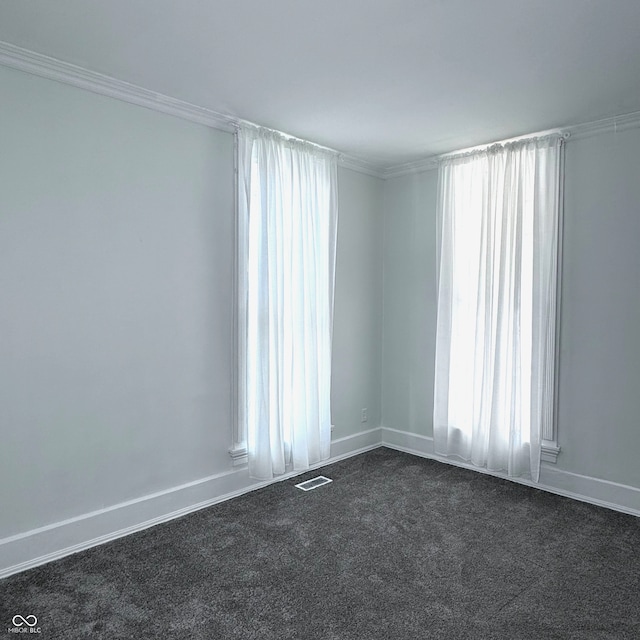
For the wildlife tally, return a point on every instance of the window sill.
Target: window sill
(239, 456)
(550, 451)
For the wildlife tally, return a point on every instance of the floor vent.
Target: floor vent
(314, 483)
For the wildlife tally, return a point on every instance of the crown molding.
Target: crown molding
(71, 74)
(418, 166)
(432, 162)
(360, 165)
(44, 66)
(606, 125)
(571, 132)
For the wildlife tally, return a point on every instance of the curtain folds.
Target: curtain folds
(287, 247)
(495, 343)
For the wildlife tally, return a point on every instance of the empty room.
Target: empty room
(320, 321)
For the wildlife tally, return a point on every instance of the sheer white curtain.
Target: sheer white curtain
(287, 228)
(495, 343)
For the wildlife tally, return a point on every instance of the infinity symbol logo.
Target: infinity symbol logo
(18, 621)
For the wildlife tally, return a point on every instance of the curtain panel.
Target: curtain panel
(287, 246)
(495, 343)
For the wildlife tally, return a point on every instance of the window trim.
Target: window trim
(549, 447)
(238, 451)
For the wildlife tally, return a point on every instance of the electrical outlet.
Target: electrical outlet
(363, 418)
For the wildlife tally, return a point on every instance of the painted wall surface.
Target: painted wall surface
(599, 408)
(115, 314)
(410, 295)
(116, 253)
(357, 328)
(599, 372)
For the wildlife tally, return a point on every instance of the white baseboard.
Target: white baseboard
(39, 546)
(362, 441)
(602, 493)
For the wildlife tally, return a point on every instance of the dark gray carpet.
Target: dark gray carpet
(396, 547)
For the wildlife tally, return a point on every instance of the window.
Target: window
(495, 345)
(287, 240)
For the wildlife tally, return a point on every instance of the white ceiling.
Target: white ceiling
(389, 81)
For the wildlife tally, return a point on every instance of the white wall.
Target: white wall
(116, 253)
(599, 397)
(410, 295)
(599, 408)
(357, 332)
(115, 325)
